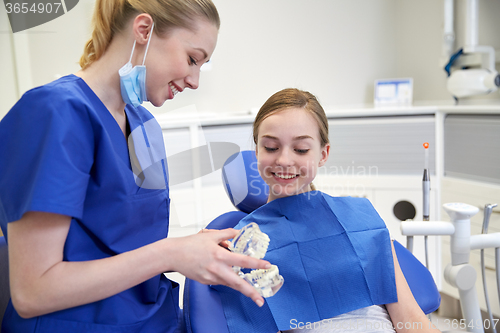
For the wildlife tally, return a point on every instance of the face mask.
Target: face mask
(133, 79)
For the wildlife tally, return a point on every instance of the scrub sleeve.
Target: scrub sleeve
(62, 152)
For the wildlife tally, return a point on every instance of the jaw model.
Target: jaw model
(253, 242)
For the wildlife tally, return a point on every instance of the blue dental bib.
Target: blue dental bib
(334, 254)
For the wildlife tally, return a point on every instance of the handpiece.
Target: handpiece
(488, 209)
(426, 185)
(426, 190)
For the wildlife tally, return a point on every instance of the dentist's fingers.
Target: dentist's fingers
(240, 260)
(199, 257)
(235, 259)
(223, 243)
(232, 280)
(224, 234)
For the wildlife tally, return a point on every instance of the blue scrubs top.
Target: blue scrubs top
(63, 152)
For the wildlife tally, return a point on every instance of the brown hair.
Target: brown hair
(293, 98)
(111, 16)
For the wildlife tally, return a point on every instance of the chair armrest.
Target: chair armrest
(419, 279)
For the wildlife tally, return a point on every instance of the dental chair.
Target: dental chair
(202, 307)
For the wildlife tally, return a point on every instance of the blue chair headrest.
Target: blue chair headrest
(242, 182)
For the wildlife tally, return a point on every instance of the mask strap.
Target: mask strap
(131, 54)
(147, 46)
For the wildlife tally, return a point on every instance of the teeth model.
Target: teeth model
(266, 281)
(252, 242)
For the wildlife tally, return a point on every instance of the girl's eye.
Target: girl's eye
(192, 61)
(270, 149)
(302, 151)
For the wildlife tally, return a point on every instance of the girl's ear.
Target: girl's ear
(325, 152)
(142, 27)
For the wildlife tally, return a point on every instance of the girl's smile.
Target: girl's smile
(289, 152)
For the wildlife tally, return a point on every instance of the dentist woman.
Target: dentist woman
(86, 223)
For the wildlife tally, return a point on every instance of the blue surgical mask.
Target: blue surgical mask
(133, 79)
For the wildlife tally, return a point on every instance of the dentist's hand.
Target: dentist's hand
(204, 258)
(224, 243)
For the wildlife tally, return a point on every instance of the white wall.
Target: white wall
(8, 83)
(56, 46)
(419, 34)
(39, 55)
(333, 48)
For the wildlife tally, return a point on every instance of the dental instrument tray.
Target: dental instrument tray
(252, 242)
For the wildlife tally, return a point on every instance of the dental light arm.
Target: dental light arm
(436, 228)
(252, 242)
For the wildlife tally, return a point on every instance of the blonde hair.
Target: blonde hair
(111, 16)
(294, 98)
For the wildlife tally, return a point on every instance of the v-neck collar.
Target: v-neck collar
(119, 140)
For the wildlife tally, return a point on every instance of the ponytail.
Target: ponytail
(111, 16)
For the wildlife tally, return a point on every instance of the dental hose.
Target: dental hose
(485, 288)
(497, 268)
(426, 252)
(487, 213)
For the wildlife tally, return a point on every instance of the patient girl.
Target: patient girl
(335, 254)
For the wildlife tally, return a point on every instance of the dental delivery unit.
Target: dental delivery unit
(460, 273)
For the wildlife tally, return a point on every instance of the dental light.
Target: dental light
(471, 82)
(477, 81)
(252, 242)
